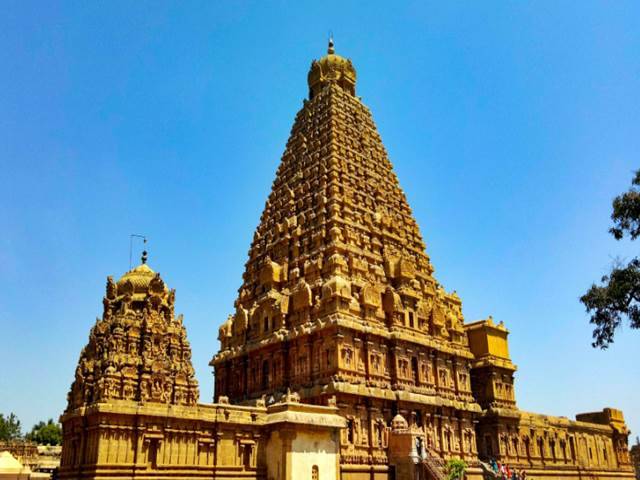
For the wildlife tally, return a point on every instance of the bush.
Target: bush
(455, 469)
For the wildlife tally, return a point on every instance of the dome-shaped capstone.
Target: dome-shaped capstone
(140, 281)
(399, 423)
(331, 68)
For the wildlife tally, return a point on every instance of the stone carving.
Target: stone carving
(138, 350)
(338, 287)
(338, 307)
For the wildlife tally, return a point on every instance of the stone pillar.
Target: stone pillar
(367, 355)
(286, 372)
(393, 351)
(245, 380)
(306, 379)
(358, 352)
(454, 373)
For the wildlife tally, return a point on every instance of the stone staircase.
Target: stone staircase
(433, 467)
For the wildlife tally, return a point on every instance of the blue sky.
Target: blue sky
(511, 125)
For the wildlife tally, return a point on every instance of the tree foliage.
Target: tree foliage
(9, 427)
(49, 433)
(626, 212)
(456, 469)
(618, 297)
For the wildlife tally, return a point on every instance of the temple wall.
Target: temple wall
(346, 355)
(276, 453)
(121, 441)
(553, 444)
(220, 441)
(309, 450)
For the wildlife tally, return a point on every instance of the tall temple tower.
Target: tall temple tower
(339, 297)
(344, 358)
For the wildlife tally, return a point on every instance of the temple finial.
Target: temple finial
(144, 252)
(144, 241)
(331, 50)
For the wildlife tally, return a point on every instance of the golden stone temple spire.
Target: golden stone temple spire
(337, 270)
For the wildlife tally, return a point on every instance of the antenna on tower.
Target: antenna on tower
(144, 242)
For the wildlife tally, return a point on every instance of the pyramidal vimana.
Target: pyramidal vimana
(344, 357)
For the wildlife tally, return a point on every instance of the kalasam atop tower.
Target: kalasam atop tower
(344, 358)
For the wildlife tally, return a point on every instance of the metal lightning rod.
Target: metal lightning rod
(144, 240)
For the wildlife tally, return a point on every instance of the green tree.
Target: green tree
(9, 427)
(618, 297)
(456, 469)
(49, 433)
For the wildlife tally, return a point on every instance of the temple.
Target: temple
(344, 357)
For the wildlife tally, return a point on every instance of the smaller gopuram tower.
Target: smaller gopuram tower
(139, 349)
(138, 357)
(133, 408)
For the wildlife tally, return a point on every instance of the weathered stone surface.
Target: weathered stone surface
(138, 350)
(343, 358)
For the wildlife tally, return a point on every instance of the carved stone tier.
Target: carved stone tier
(339, 299)
(138, 350)
(338, 287)
(343, 358)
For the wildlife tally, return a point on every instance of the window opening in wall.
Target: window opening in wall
(392, 472)
(266, 324)
(572, 447)
(414, 370)
(350, 430)
(541, 448)
(419, 447)
(379, 431)
(265, 374)
(411, 321)
(488, 446)
(419, 418)
(153, 454)
(315, 474)
(246, 456)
